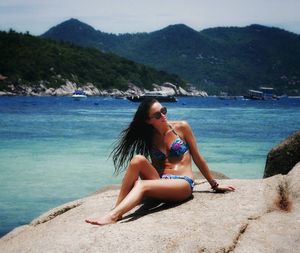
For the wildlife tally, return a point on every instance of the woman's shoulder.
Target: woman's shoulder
(180, 125)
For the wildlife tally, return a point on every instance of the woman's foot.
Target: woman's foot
(107, 219)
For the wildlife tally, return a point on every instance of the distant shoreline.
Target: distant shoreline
(89, 89)
(4, 94)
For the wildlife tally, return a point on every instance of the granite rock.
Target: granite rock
(260, 216)
(282, 158)
(67, 88)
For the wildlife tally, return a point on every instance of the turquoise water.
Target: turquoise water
(54, 149)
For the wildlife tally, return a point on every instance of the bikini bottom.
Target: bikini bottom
(188, 179)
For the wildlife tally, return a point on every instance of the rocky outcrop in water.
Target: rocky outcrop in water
(68, 88)
(282, 158)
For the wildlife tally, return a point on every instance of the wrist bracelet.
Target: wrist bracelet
(214, 184)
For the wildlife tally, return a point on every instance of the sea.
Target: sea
(56, 149)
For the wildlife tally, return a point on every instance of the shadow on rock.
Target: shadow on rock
(152, 206)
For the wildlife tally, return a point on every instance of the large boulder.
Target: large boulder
(282, 158)
(134, 90)
(90, 90)
(167, 90)
(182, 92)
(65, 89)
(260, 216)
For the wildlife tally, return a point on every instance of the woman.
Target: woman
(169, 176)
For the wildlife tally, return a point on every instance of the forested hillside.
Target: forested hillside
(27, 59)
(228, 59)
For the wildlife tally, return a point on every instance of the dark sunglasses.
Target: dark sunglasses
(157, 115)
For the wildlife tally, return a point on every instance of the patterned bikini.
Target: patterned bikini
(177, 149)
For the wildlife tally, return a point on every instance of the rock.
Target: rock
(215, 174)
(11, 87)
(104, 93)
(199, 93)
(116, 92)
(42, 89)
(282, 158)
(66, 89)
(260, 216)
(49, 92)
(182, 92)
(6, 93)
(170, 85)
(278, 229)
(134, 90)
(179, 91)
(193, 91)
(165, 90)
(90, 90)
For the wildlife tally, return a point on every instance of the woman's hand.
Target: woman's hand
(225, 188)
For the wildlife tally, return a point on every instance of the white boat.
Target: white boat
(79, 94)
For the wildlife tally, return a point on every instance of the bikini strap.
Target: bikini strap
(173, 130)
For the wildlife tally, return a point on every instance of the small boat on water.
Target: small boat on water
(161, 97)
(264, 93)
(78, 94)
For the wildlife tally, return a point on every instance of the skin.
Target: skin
(150, 184)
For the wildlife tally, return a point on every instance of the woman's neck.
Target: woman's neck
(163, 129)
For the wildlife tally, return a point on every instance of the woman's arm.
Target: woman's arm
(199, 159)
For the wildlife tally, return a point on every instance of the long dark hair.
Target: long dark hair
(135, 139)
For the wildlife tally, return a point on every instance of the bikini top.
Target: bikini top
(177, 149)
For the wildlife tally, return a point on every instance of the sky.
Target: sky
(132, 16)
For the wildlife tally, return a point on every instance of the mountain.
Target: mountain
(218, 59)
(80, 34)
(26, 59)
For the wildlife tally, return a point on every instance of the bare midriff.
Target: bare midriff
(181, 166)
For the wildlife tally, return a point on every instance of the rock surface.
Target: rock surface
(68, 88)
(260, 216)
(282, 158)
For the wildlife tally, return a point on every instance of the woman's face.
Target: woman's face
(157, 114)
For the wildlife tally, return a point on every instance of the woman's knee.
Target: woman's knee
(138, 160)
(140, 166)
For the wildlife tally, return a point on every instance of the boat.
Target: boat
(159, 96)
(78, 94)
(264, 93)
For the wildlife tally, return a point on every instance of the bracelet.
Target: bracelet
(214, 184)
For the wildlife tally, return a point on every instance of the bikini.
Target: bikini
(177, 149)
(171, 176)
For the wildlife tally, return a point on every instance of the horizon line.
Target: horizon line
(159, 29)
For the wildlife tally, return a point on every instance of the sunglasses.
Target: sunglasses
(157, 115)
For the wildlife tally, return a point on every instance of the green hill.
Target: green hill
(218, 59)
(26, 59)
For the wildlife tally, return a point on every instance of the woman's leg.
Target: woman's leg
(163, 189)
(139, 166)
